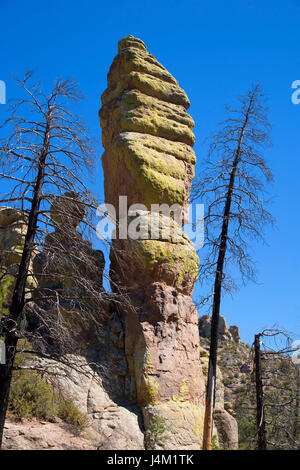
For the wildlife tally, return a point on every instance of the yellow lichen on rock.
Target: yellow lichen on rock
(163, 251)
(146, 131)
(183, 424)
(148, 170)
(137, 112)
(13, 228)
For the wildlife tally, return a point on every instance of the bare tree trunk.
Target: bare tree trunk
(18, 297)
(297, 415)
(212, 368)
(260, 418)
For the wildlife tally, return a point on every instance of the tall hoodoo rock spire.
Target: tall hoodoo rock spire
(146, 131)
(148, 137)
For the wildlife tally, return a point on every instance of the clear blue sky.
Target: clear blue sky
(215, 50)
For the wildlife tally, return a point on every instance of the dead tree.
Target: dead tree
(296, 432)
(277, 393)
(232, 190)
(260, 409)
(46, 154)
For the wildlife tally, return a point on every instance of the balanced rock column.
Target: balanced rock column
(13, 228)
(148, 137)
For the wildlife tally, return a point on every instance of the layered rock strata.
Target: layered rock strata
(147, 136)
(146, 132)
(13, 228)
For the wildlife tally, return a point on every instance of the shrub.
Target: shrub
(155, 432)
(214, 445)
(32, 397)
(69, 413)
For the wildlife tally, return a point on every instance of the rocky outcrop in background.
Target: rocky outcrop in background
(53, 268)
(234, 371)
(225, 425)
(224, 333)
